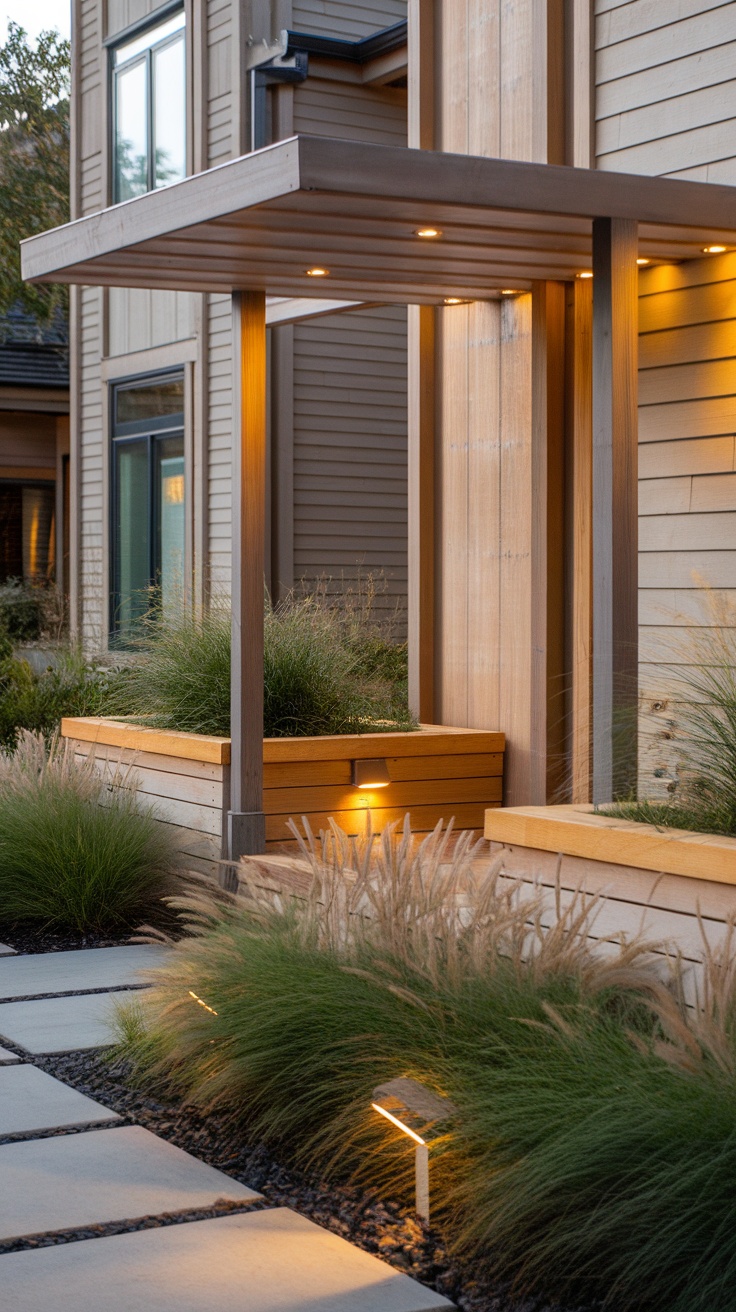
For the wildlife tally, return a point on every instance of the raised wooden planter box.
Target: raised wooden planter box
(436, 773)
(667, 883)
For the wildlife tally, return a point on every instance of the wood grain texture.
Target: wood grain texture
(164, 742)
(577, 832)
(615, 472)
(580, 391)
(421, 419)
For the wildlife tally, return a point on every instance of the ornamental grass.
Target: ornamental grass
(592, 1152)
(77, 852)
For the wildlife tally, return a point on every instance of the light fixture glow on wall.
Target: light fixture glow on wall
(714, 250)
(428, 232)
(586, 273)
(371, 773)
(643, 260)
(318, 272)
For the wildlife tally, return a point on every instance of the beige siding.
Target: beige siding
(350, 449)
(349, 19)
(338, 109)
(121, 13)
(219, 80)
(140, 320)
(666, 88)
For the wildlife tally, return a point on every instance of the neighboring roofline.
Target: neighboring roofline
(41, 400)
(370, 47)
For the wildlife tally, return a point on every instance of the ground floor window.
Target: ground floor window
(27, 531)
(148, 508)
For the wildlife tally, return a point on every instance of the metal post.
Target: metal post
(615, 523)
(422, 1181)
(246, 821)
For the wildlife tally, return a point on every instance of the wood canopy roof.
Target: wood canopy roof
(261, 221)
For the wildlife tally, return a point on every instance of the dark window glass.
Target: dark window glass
(148, 501)
(27, 532)
(149, 100)
(145, 401)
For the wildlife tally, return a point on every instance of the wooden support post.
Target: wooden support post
(421, 543)
(246, 823)
(580, 489)
(615, 523)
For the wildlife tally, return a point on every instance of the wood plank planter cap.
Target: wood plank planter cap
(580, 831)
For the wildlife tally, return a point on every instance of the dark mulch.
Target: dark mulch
(377, 1225)
(26, 939)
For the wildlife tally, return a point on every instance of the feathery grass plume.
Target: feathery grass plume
(314, 683)
(77, 851)
(375, 958)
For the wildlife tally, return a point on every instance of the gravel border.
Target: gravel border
(381, 1227)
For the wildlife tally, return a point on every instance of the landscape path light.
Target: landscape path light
(403, 1101)
(371, 773)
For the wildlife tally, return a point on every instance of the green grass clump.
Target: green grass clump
(316, 680)
(76, 852)
(592, 1153)
(37, 701)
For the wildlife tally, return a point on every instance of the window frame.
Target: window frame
(150, 22)
(150, 431)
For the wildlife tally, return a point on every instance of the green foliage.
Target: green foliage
(76, 852)
(37, 702)
(21, 611)
(592, 1151)
(316, 681)
(34, 157)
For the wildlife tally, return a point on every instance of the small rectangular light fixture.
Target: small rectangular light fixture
(371, 774)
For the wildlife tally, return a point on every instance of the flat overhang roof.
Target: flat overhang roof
(261, 221)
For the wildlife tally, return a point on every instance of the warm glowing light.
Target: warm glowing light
(428, 232)
(371, 774)
(202, 1004)
(174, 490)
(643, 260)
(318, 272)
(510, 291)
(453, 300)
(714, 250)
(399, 1124)
(587, 273)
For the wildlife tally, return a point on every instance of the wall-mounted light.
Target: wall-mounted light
(371, 773)
(714, 250)
(402, 1100)
(643, 260)
(318, 272)
(586, 273)
(428, 233)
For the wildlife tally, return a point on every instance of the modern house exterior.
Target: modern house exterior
(565, 335)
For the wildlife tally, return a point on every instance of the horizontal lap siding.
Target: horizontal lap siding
(350, 474)
(348, 19)
(665, 103)
(666, 88)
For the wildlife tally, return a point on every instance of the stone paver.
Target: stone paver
(118, 1174)
(72, 972)
(31, 1100)
(7, 1055)
(49, 1025)
(271, 1261)
(5, 951)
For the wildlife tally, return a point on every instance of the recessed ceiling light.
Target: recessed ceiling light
(454, 300)
(642, 260)
(714, 250)
(428, 232)
(318, 272)
(510, 291)
(587, 273)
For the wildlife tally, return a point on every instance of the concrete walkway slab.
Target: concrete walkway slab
(272, 1261)
(49, 1025)
(72, 972)
(7, 1055)
(5, 951)
(118, 1175)
(31, 1100)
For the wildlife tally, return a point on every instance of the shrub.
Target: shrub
(76, 852)
(594, 1146)
(21, 610)
(37, 702)
(314, 682)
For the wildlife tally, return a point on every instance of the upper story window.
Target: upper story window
(149, 108)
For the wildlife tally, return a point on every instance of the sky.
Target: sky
(36, 15)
